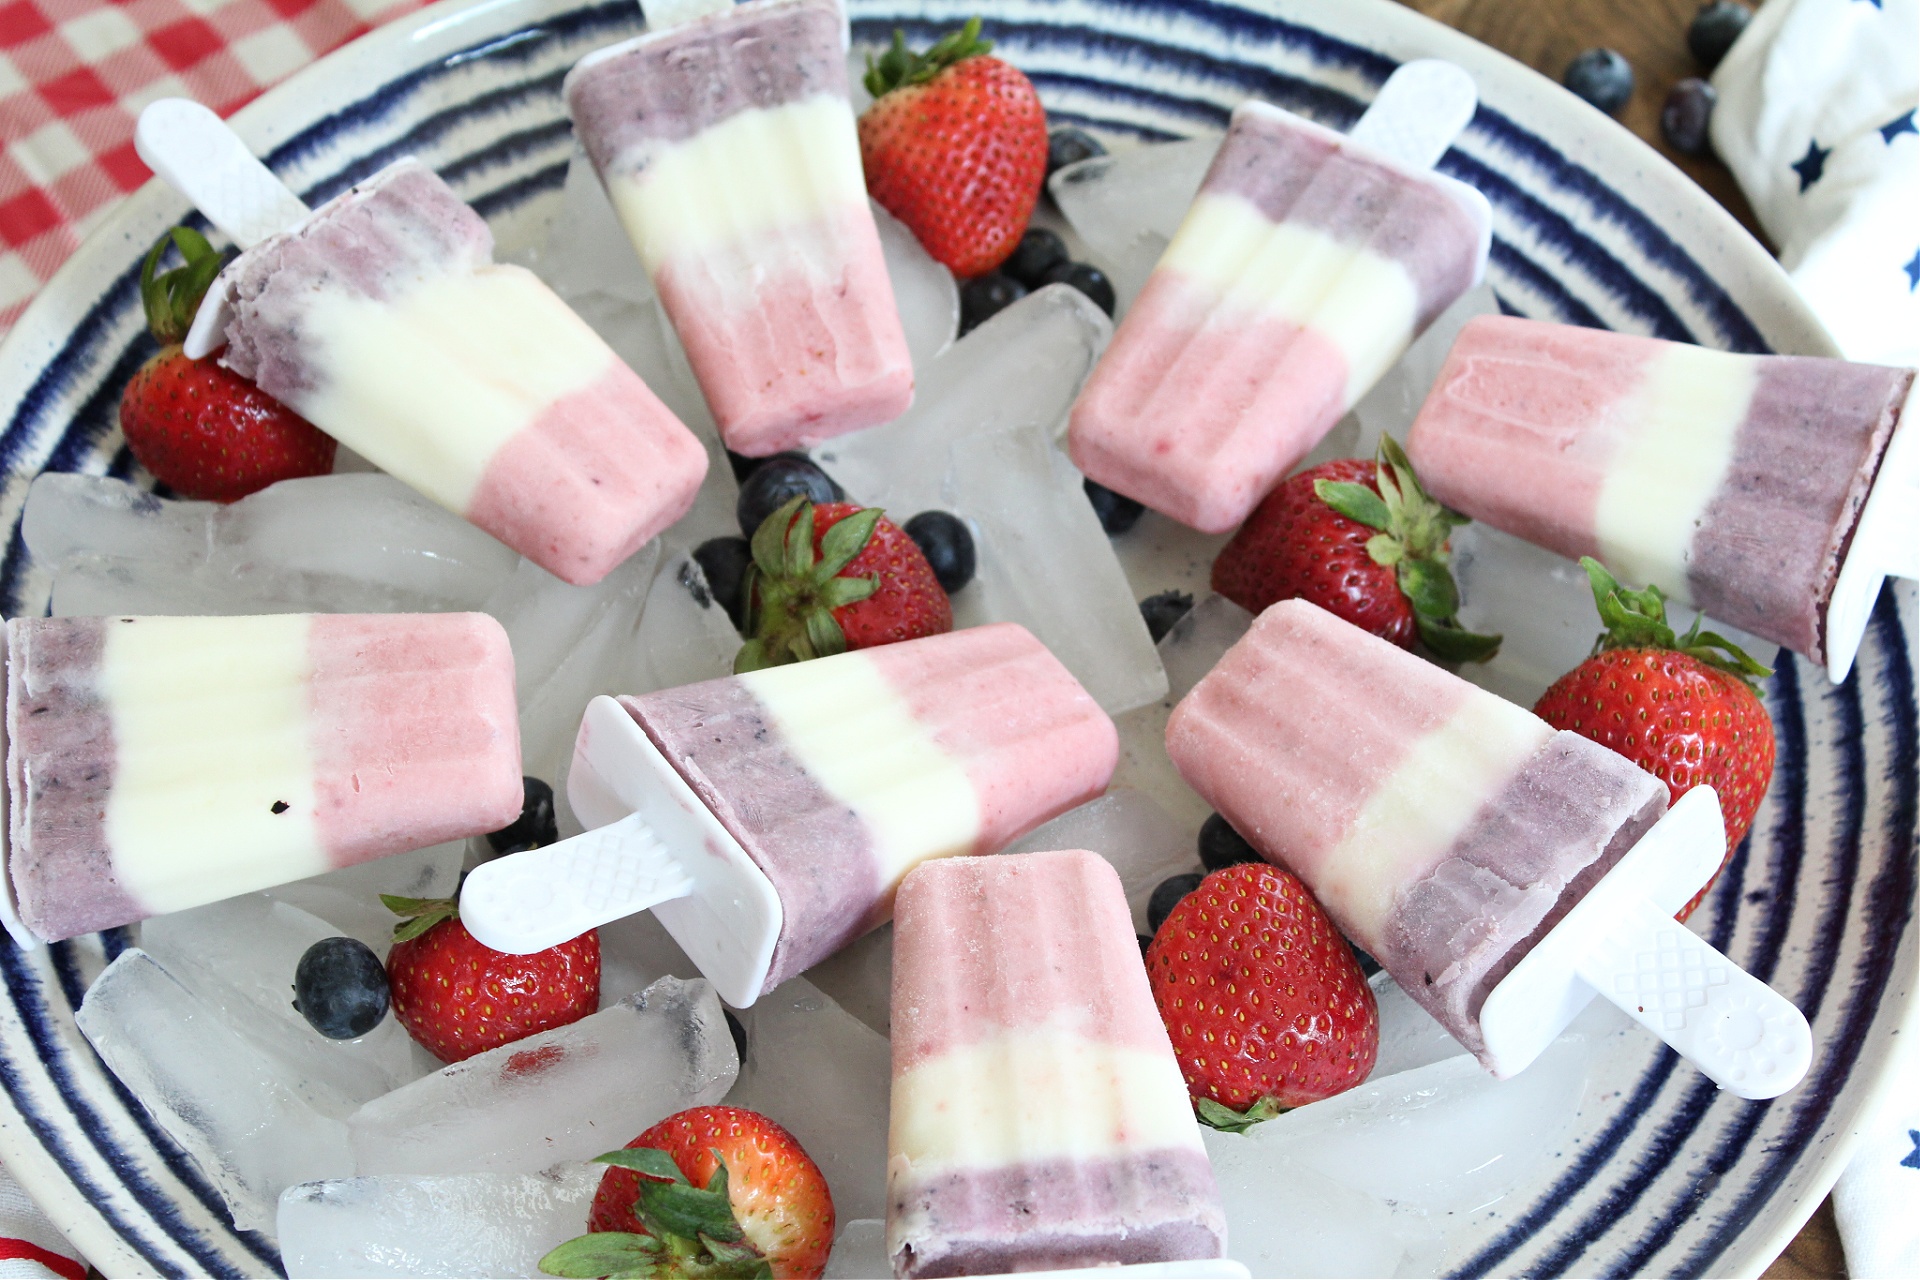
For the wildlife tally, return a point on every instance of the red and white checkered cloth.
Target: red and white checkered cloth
(74, 75)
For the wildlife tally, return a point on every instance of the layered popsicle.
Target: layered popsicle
(383, 319)
(1305, 266)
(840, 775)
(1733, 482)
(1444, 829)
(155, 764)
(1039, 1116)
(728, 147)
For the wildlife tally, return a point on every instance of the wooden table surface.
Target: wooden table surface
(1546, 34)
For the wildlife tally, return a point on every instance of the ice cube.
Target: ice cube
(587, 250)
(1045, 563)
(860, 1251)
(859, 978)
(1446, 1138)
(685, 635)
(635, 952)
(566, 1094)
(1144, 766)
(1127, 205)
(1136, 835)
(1410, 1037)
(1284, 1219)
(370, 530)
(242, 1117)
(86, 586)
(239, 957)
(569, 643)
(68, 515)
(476, 1224)
(349, 899)
(1021, 368)
(1389, 408)
(923, 290)
(1197, 642)
(827, 1077)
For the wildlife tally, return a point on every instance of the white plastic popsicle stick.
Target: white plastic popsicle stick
(196, 154)
(1620, 941)
(539, 898)
(1886, 542)
(653, 843)
(1420, 110)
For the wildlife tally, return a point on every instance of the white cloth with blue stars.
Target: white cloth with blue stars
(1817, 120)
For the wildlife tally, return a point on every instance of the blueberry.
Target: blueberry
(1117, 512)
(742, 465)
(985, 297)
(1222, 846)
(948, 546)
(1068, 145)
(1163, 610)
(1167, 895)
(777, 480)
(1085, 277)
(1715, 28)
(340, 988)
(738, 1032)
(725, 561)
(1145, 940)
(1038, 252)
(534, 827)
(1601, 76)
(1684, 118)
(1368, 965)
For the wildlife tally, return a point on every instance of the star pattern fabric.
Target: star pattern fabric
(74, 74)
(1817, 119)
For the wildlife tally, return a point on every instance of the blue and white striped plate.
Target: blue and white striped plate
(1666, 1176)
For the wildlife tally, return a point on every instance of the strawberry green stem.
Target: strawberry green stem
(1638, 620)
(171, 298)
(899, 66)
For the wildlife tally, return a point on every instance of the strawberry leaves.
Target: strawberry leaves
(1638, 620)
(1412, 541)
(171, 298)
(899, 66)
(417, 915)
(690, 1231)
(1216, 1115)
(791, 594)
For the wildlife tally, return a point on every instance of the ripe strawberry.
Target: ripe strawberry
(458, 998)
(1262, 997)
(1363, 541)
(712, 1191)
(833, 577)
(1681, 708)
(197, 426)
(955, 146)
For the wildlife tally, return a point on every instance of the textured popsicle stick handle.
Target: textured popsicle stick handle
(1420, 110)
(527, 902)
(195, 152)
(1745, 1036)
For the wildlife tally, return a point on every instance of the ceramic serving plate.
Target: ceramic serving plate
(1662, 1174)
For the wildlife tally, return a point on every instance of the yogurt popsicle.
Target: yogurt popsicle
(810, 789)
(383, 320)
(1307, 263)
(1039, 1117)
(1733, 482)
(1442, 827)
(1502, 872)
(155, 764)
(728, 147)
